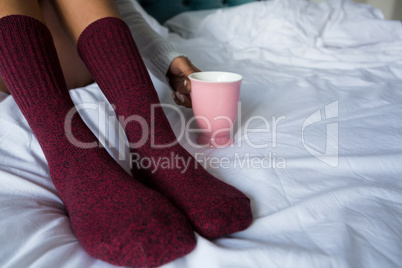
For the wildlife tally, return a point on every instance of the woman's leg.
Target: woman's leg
(24, 7)
(77, 14)
(114, 217)
(29, 8)
(74, 70)
(3, 87)
(109, 51)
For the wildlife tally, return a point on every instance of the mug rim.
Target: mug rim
(239, 76)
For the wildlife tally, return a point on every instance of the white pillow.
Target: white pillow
(186, 24)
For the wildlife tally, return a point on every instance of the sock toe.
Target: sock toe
(228, 217)
(149, 242)
(130, 249)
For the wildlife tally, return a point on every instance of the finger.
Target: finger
(179, 96)
(195, 69)
(187, 85)
(183, 100)
(181, 85)
(188, 67)
(177, 84)
(187, 102)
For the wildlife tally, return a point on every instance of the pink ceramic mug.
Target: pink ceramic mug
(215, 97)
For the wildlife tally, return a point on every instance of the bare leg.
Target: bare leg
(29, 8)
(3, 87)
(78, 14)
(74, 69)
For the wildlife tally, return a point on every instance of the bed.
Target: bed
(318, 140)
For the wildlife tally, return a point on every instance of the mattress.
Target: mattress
(318, 142)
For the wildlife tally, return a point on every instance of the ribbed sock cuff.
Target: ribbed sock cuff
(28, 59)
(111, 55)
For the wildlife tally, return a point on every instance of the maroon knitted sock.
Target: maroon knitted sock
(114, 217)
(214, 208)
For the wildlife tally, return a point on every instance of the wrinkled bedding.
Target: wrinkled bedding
(318, 143)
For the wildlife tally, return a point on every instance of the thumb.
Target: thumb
(188, 68)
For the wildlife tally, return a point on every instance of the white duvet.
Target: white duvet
(321, 96)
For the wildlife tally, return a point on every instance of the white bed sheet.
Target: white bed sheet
(326, 192)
